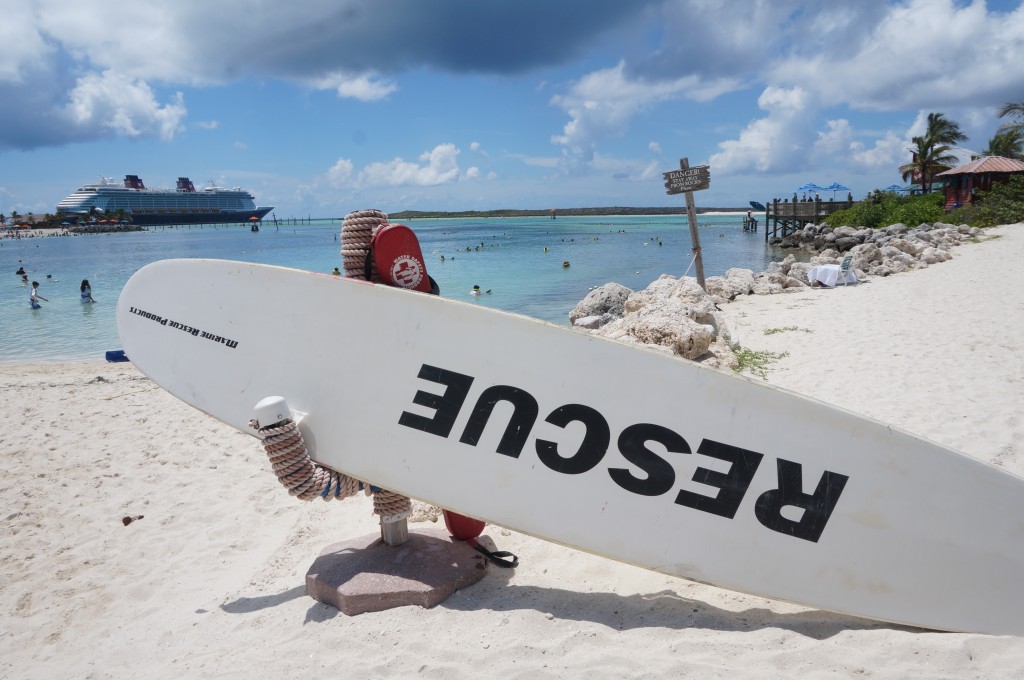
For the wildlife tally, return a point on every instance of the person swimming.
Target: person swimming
(475, 291)
(86, 291)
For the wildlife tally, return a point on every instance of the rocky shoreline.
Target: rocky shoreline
(105, 228)
(678, 317)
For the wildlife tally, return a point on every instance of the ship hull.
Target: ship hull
(169, 219)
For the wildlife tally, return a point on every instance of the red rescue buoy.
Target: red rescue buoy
(461, 527)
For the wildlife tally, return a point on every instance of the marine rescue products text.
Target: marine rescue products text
(633, 446)
(182, 327)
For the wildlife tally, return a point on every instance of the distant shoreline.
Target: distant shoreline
(41, 229)
(557, 212)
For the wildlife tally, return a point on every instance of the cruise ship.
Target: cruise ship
(132, 201)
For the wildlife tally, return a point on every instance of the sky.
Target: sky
(321, 107)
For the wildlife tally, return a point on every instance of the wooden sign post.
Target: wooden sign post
(686, 180)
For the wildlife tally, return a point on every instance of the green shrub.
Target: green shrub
(882, 208)
(756, 362)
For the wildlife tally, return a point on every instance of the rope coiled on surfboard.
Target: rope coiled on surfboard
(306, 480)
(296, 470)
(357, 231)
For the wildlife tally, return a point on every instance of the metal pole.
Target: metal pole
(691, 215)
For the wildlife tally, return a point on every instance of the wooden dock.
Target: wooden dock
(783, 217)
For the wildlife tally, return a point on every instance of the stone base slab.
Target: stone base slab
(367, 575)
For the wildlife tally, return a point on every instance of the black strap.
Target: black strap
(496, 557)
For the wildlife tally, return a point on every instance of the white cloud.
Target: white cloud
(23, 50)
(655, 147)
(208, 124)
(435, 167)
(652, 171)
(111, 101)
(839, 145)
(364, 87)
(602, 103)
(240, 145)
(774, 143)
(888, 152)
(340, 173)
(915, 54)
(836, 139)
(476, 147)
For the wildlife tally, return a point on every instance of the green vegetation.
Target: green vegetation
(882, 208)
(932, 154)
(1003, 205)
(1015, 112)
(1007, 142)
(783, 329)
(756, 362)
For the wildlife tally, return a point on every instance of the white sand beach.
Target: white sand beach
(209, 583)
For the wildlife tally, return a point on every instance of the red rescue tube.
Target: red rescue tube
(461, 527)
(398, 258)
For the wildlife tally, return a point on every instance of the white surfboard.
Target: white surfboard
(617, 450)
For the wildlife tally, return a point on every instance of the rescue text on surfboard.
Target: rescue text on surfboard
(632, 444)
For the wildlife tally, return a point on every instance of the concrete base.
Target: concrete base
(367, 575)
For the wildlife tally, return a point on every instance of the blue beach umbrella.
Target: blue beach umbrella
(834, 187)
(809, 188)
(895, 187)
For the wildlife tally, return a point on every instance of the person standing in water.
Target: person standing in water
(86, 291)
(34, 297)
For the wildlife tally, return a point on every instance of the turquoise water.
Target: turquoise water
(505, 256)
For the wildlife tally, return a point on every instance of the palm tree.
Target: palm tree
(943, 131)
(929, 158)
(932, 150)
(1015, 111)
(1007, 142)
